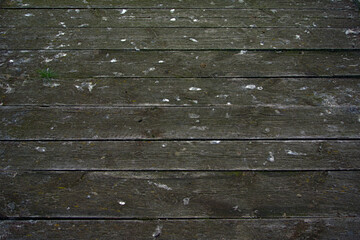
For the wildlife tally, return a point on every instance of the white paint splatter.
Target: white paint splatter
(251, 86)
(186, 201)
(88, 85)
(215, 142)
(193, 115)
(193, 39)
(222, 96)
(242, 52)
(166, 100)
(351, 31)
(122, 203)
(173, 19)
(172, 10)
(40, 149)
(289, 152)
(52, 85)
(123, 40)
(157, 231)
(160, 185)
(297, 37)
(28, 15)
(114, 60)
(271, 157)
(123, 11)
(62, 24)
(60, 33)
(194, 89)
(200, 128)
(161, 61)
(60, 55)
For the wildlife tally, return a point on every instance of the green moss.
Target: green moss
(47, 74)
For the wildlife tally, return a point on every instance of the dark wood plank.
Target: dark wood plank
(228, 122)
(343, 4)
(179, 194)
(178, 38)
(105, 63)
(180, 91)
(309, 228)
(175, 155)
(115, 18)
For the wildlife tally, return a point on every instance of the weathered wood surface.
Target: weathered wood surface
(155, 18)
(180, 194)
(227, 122)
(110, 63)
(178, 38)
(325, 92)
(180, 155)
(308, 228)
(342, 4)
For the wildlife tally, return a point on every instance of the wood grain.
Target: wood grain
(110, 63)
(308, 228)
(325, 92)
(343, 4)
(154, 18)
(180, 155)
(179, 194)
(178, 38)
(229, 122)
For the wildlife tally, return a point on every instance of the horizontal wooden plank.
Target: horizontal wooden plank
(179, 194)
(343, 4)
(317, 228)
(178, 155)
(115, 18)
(107, 63)
(180, 91)
(178, 38)
(229, 122)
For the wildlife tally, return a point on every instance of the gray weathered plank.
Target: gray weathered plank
(226, 122)
(178, 38)
(298, 228)
(180, 91)
(105, 63)
(342, 4)
(179, 194)
(179, 155)
(115, 18)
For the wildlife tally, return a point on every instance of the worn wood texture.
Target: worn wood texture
(342, 4)
(180, 155)
(105, 63)
(155, 18)
(309, 228)
(179, 38)
(228, 122)
(179, 194)
(325, 92)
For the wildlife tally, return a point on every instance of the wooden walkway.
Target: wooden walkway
(213, 119)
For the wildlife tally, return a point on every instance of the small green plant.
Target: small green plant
(47, 74)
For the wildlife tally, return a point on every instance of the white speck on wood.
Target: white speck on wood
(186, 201)
(351, 31)
(88, 85)
(289, 152)
(172, 10)
(271, 157)
(215, 142)
(193, 39)
(157, 231)
(123, 11)
(122, 203)
(40, 149)
(200, 128)
(113, 60)
(194, 89)
(28, 15)
(193, 115)
(173, 19)
(250, 86)
(166, 100)
(160, 185)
